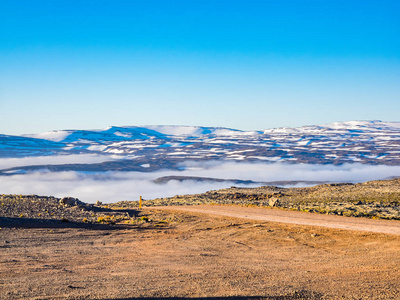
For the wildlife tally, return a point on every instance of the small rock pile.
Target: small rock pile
(45, 208)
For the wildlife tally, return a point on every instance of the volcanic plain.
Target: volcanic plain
(54, 248)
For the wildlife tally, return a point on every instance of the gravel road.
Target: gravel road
(294, 217)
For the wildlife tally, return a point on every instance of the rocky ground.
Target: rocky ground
(32, 209)
(172, 254)
(374, 199)
(53, 248)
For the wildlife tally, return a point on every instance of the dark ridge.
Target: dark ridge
(166, 179)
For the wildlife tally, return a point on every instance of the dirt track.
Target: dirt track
(294, 217)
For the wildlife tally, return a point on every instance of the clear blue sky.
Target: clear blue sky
(241, 64)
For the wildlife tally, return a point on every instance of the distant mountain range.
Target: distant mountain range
(151, 148)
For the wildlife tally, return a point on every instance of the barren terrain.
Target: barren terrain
(293, 217)
(64, 249)
(186, 254)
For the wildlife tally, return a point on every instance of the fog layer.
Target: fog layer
(116, 186)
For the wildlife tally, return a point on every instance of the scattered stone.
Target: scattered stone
(273, 202)
(44, 209)
(69, 201)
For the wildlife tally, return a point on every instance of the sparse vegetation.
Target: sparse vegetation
(144, 219)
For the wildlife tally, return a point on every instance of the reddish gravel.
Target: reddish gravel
(295, 217)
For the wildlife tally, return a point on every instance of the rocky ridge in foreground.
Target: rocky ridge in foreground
(27, 208)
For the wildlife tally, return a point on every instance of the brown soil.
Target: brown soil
(295, 217)
(172, 253)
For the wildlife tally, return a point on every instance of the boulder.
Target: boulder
(273, 202)
(70, 201)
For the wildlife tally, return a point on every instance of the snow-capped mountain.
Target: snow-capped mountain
(150, 148)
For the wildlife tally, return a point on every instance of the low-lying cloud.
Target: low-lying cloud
(116, 186)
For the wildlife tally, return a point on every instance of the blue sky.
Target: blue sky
(240, 64)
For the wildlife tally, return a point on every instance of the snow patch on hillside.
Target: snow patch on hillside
(198, 130)
(56, 135)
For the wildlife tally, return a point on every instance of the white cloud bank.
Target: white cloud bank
(115, 186)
